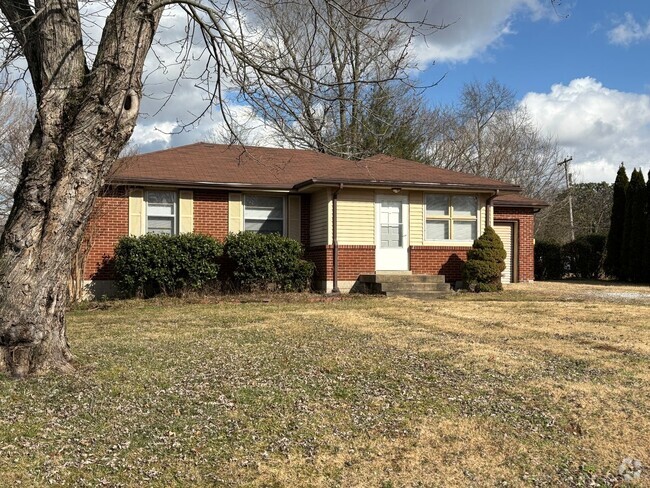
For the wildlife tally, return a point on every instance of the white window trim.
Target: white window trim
(450, 218)
(146, 209)
(274, 195)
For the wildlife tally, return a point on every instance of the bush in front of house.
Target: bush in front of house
(152, 264)
(584, 257)
(549, 262)
(485, 263)
(265, 261)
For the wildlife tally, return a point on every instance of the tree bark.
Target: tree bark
(85, 117)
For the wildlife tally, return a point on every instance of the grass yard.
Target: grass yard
(543, 385)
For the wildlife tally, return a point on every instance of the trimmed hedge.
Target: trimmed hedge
(584, 257)
(265, 261)
(151, 264)
(549, 263)
(485, 263)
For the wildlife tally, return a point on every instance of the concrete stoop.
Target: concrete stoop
(423, 287)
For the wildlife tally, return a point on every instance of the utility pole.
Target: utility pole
(565, 163)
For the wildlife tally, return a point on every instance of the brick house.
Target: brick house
(353, 217)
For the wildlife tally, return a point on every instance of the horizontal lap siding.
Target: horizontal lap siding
(320, 218)
(356, 217)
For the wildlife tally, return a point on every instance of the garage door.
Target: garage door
(506, 233)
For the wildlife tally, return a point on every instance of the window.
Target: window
(161, 212)
(264, 214)
(451, 217)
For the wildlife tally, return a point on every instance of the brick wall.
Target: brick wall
(211, 213)
(353, 261)
(526, 255)
(109, 222)
(446, 261)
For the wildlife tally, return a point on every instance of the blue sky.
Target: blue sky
(581, 70)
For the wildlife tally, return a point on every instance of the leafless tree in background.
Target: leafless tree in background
(490, 135)
(87, 96)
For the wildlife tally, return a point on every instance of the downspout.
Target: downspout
(335, 242)
(489, 208)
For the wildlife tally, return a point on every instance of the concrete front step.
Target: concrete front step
(417, 286)
(419, 295)
(401, 278)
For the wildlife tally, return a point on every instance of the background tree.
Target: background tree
(489, 134)
(632, 247)
(87, 103)
(646, 251)
(16, 120)
(617, 221)
(592, 208)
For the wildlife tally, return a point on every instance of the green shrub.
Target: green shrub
(265, 261)
(549, 264)
(584, 257)
(153, 264)
(485, 263)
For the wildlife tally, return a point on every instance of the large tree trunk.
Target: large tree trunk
(85, 117)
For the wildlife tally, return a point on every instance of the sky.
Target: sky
(580, 67)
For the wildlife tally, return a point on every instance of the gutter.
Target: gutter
(335, 242)
(489, 208)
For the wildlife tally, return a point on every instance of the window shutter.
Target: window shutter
(185, 211)
(136, 212)
(293, 220)
(235, 223)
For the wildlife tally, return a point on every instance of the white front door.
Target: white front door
(392, 233)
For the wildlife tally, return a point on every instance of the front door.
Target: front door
(392, 233)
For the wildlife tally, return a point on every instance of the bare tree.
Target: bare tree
(16, 120)
(332, 58)
(489, 134)
(87, 102)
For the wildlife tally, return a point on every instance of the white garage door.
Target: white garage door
(506, 233)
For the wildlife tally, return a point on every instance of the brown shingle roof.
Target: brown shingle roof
(205, 164)
(515, 200)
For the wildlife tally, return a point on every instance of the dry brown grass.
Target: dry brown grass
(545, 384)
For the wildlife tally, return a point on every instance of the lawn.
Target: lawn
(543, 385)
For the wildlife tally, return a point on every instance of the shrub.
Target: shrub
(266, 261)
(153, 264)
(584, 257)
(485, 263)
(549, 264)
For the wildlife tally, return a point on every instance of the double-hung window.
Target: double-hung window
(451, 217)
(161, 212)
(264, 214)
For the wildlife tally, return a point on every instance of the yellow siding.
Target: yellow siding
(185, 211)
(320, 218)
(136, 212)
(356, 217)
(416, 227)
(235, 213)
(293, 221)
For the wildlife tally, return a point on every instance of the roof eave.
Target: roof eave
(315, 182)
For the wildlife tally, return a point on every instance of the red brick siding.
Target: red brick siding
(526, 255)
(211, 213)
(353, 261)
(447, 261)
(109, 222)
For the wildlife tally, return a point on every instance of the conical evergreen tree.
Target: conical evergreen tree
(485, 263)
(646, 252)
(634, 228)
(615, 236)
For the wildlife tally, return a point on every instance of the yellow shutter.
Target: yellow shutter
(235, 213)
(293, 219)
(136, 213)
(185, 211)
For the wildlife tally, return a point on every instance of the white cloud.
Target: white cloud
(598, 126)
(629, 31)
(473, 25)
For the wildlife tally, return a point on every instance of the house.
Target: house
(353, 217)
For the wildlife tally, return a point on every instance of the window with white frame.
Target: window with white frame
(264, 214)
(451, 217)
(161, 212)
